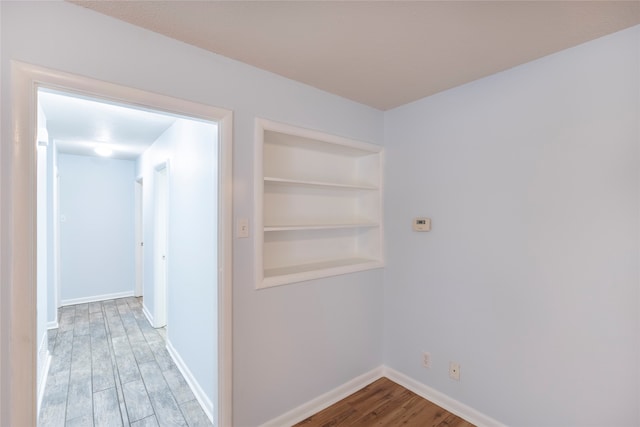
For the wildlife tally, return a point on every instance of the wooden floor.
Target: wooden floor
(384, 403)
(110, 368)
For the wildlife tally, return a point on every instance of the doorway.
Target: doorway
(22, 264)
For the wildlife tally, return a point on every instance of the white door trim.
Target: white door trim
(138, 185)
(17, 231)
(160, 243)
(56, 241)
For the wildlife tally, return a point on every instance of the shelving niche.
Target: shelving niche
(318, 205)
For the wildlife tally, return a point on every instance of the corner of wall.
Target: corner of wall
(201, 396)
(147, 313)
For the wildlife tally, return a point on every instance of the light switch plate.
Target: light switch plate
(242, 231)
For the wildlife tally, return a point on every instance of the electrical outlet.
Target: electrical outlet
(454, 371)
(426, 359)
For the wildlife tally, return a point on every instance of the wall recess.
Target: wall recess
(318, 205)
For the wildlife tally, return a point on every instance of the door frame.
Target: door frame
(160, 266)
(18, 347)
(139, 238)
(57, 276)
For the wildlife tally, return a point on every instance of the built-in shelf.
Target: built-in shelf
(284, 181)
(301, 272)
(270, 228)
(318, 205)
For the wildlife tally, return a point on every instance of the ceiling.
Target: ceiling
(80, 124)
(379, 53)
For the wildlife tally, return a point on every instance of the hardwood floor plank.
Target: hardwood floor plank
(61, 360)
(106, 408)
(147, 422)
(423, 412)
(162, 355)
(125, 360)
(178, 385)
(164, 404)
(114, 323)
(453, 421)
(95, 307)
(97, 325)
(94, 379)
(67, 317)
(194, 415)
(52, 335)
(384, 403)
(83, 421)
(54, 404)
(102, 372)
(131, 326)
(385, 411)
(81, 320)
(341, 412)
(79, 401)
(137, 400)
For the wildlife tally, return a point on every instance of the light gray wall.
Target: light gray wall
(97, 227)
(291, 343)
(529, 277)
(191, 150)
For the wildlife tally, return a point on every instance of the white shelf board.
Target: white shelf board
(299, 273)
(285, 181)
(281, 134)
(318, 227)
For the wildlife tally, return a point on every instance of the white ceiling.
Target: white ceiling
(379, 53)
(80, 124)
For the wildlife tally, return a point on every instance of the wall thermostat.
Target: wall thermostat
(422, 224)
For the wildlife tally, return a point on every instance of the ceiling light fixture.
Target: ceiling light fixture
(103, 151)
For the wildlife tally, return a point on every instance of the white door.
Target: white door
(160, 246)
(139, 240)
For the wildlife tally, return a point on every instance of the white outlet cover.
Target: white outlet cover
(454, 371)
(426, 359)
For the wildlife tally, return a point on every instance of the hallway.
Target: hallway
(109, 367)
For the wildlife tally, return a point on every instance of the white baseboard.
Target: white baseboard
(205, 402)
(147, 314)
(43, 380)
(44, 363)
(53, 324)
(96, 298)
(321, 402)
(441, 399)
